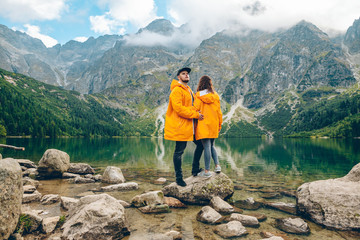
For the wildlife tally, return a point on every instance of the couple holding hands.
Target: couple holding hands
(191, 117)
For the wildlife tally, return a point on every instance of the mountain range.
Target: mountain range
(269, 83)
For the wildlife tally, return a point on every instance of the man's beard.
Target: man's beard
(185, 81)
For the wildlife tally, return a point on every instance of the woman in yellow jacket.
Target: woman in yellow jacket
(208, 103)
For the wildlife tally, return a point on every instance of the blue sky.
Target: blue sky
(59, 21)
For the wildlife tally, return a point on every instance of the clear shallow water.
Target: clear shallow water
(253, 164)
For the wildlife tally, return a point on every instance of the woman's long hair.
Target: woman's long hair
(205, 83)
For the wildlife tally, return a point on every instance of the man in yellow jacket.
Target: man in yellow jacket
(179, 120)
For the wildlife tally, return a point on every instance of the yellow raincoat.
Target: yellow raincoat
(209, 105)
(179, 124)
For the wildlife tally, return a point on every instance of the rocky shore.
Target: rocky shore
(109, 207)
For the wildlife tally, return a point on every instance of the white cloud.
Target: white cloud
(27, 10)
(203, 18)
(122, 13)
(81, 39)
(34, 31)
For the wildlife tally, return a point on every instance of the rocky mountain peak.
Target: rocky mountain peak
(161, 26)
(352, 37)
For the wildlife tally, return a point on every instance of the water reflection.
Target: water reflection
(251, 158)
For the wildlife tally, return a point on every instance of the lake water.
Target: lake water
(271, 163)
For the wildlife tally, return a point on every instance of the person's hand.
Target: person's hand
(201, 117)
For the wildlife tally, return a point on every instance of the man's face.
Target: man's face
(184, 77)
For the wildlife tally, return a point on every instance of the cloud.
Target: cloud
(81, 39)
(123, 14)
(24, 11)
(203, 18)
(34, 31)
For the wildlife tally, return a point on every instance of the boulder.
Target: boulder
(32, 197)
(173, 202)
(121, 187)
(293, 225)
(249, 204)
(67, 202)
(96, 217)
(26, 163)
(48, 225)
(246, 220)
(231, 230)
(208, 215)
(53, 164)
(50, 199)
(201, 190)
(113, 175)
(149, 198)
(221, 206)
(29, 189)
(333, 203)
(10, 196)
(81, 168)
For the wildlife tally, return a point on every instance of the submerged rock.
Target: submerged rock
(221, 206)
(201, 190)
(292, 225)
(231, 229)
(246, 220)
(149, 198)
(334, 203)
(208, 215)
(10, 196)
(249, 204)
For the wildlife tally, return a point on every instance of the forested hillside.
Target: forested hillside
(32, 108)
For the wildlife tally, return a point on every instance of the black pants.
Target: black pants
(179, 150)
(197, 155)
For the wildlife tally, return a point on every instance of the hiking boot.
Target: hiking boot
(196, 172)
(180, 182)
(204, 174)
(217, 169)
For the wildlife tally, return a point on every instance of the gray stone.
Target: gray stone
(50, 199)
(159, 208)
(208, 215)
(30, 181)
(249, 204)
(81, 168)
(29, 189)
(32, 197)
(221, 206)
(334, 203)
(149, 198)
(53, 163)
(113, 175)
(247, 221)
(26, 163)
(10, 196)
(69, 175)
(121, 187)
(67, 202)
(293, 225)
(48, 225)
(83, 180)
(285, 207)
(96, 217)
(201, 190)
(160, 181)
(231, 229)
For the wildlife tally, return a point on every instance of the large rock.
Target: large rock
(334, 203)
(96, 217)
(53, 163)
(10, 196)
(113, 175)
(201, 190)
(81, 168)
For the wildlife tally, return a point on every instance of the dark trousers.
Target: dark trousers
(197, 155)
(179, 150)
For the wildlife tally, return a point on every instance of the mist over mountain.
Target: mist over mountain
(264, 72)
